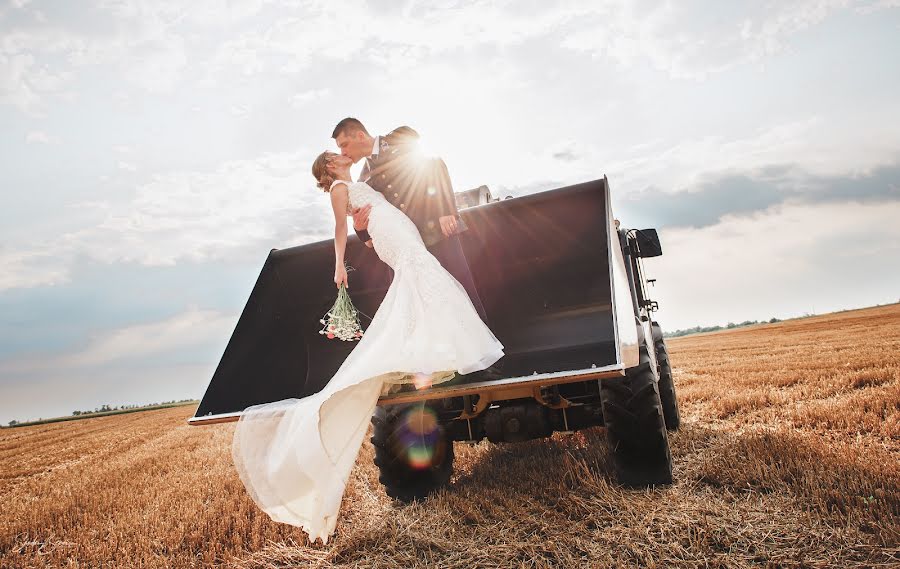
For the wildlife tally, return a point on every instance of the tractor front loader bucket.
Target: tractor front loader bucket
(545, 266)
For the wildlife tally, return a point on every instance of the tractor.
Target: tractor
(564, 290)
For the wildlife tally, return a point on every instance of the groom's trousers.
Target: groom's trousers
(450, 253)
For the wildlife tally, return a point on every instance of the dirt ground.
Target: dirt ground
(789, 456)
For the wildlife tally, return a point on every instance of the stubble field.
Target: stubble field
(789, 456)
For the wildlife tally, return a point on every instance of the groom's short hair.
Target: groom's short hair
(348, 126)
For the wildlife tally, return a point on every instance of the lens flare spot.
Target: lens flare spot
(422, 422)
(419, 456)
(422, 381)
(419, 436)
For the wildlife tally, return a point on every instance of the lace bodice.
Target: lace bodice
(395, 237)
(360, 194)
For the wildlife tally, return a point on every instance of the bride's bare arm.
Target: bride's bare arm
(339, 201)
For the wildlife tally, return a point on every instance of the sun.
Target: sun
(425, 148)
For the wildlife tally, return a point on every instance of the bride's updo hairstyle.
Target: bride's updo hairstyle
(320, 172)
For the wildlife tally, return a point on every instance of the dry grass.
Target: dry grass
(789, 457)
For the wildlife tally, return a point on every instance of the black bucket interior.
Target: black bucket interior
(541, 267)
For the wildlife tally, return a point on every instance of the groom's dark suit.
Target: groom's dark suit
(420, 187)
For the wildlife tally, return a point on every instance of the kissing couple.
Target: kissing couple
(295, 456)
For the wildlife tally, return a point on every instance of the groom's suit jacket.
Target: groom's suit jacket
(417, 185)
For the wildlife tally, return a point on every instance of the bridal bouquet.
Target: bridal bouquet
(342, 321)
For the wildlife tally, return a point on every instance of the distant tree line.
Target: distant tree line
(729, 326)
(106, 408)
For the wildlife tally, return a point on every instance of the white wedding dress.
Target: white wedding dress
(295, 456)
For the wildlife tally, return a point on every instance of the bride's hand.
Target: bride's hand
(340, 277)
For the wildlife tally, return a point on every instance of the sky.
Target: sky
(153, 152)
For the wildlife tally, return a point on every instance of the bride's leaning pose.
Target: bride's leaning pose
(295, 456)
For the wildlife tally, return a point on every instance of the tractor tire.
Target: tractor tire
(412, 451)
(667, 387)
(635, 426)
(666, 382)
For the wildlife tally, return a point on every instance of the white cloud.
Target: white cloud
(306, 97)
(240, 110)
(808, 145)
(40, 137)
(393, 39)
(289, 44)
(243, 205)
(157, 64)
(206, 13)
(157, 45)
(42, 60)
(695, 39)
(37, 266)
(199, 216)
(876, 5)
(788, 260)
(770, 32)
(178, 333)
(24, 77)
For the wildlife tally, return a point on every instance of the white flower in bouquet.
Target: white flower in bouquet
(342, 321)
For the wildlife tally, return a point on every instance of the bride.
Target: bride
(295, 456)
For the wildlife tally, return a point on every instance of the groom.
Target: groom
(417, 185)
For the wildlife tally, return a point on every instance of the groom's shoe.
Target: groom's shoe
(487, 374)
(491, 373)
(456, 379)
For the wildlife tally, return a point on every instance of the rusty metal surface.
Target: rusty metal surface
(440, 392)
